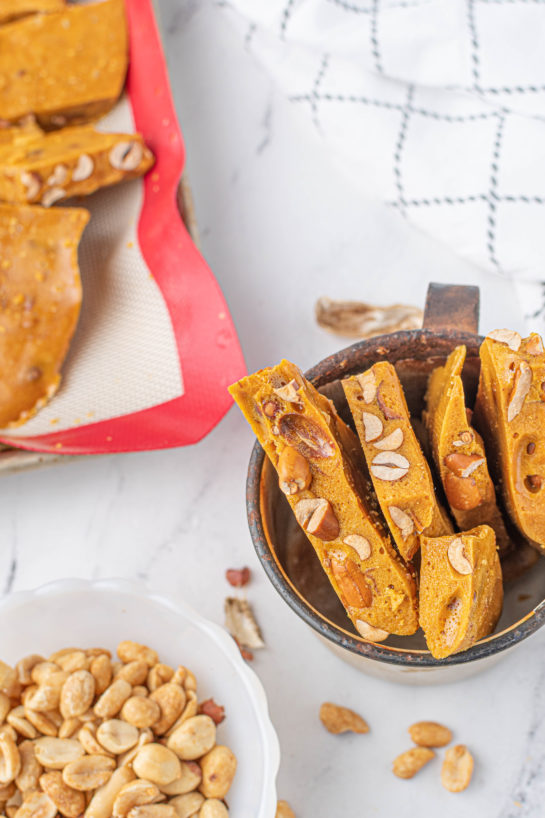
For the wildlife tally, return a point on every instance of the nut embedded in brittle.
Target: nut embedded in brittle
(294, 473)
(318, 518)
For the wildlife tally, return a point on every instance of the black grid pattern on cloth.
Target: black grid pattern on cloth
(407, 111)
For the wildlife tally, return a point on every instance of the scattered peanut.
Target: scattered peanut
(409, 763)
(218, 770)
(457, 768)
(337, 719)
(430, 734)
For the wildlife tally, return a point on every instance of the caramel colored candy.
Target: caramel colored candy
(400, 473)
(71, 162)
(40, 297)
(461, 591)
(64, 67)
(13, 9)
(459, 453)
(335, 508)
(510, 414)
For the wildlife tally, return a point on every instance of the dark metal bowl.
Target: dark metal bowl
(289, 559)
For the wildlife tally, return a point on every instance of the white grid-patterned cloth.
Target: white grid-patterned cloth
(435, 107)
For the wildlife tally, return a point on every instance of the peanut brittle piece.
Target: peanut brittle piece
(40, 297)
(316, 456)
(401, 476)
(461, 591)
(64, 67)
(458, 452)
(510, 415)
(69, 162)
(13, 9)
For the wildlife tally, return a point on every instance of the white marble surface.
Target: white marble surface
(279, 228)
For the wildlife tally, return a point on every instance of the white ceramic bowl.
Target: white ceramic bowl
(87, 614)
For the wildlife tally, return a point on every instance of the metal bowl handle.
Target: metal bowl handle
(452, 306)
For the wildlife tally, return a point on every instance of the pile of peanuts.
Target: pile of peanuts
(83, 735)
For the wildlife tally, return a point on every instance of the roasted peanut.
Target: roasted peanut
(42, 672)
(10, 760)
(89, 772)
(56, 753)
(193, 738)
(59, 654)
(113, 699)
(159, 675)
(88, 740)
(8, 678)
(7, 791)
(37, 805)
(5, 706)
(153, 811)
(191, 709)
(134, 794)
(92, 653)
(146, 737)
(74, 660)
(135, 673)
(339, 719)
(45, 697)
(69, 727)
(140, 711)
(41, 722)
(457, 768)
(409, 763)
(187, 806)
(212, 808)
(117, 736)
(101, 670)
(24, 667)
(68, 802)
(30, 771)
(140, 690)
(157, 764)
(102, 803)
(430, 734)
(190, 778)
(171, 698)
(132, 651)
(77, 694)
(218, 770)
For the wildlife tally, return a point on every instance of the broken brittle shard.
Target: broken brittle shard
(49, 167)
(461, 591)
(458, 452)
(401, 476)
(40, 298)
(317, 458)
(65, 67)
(510, 415)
